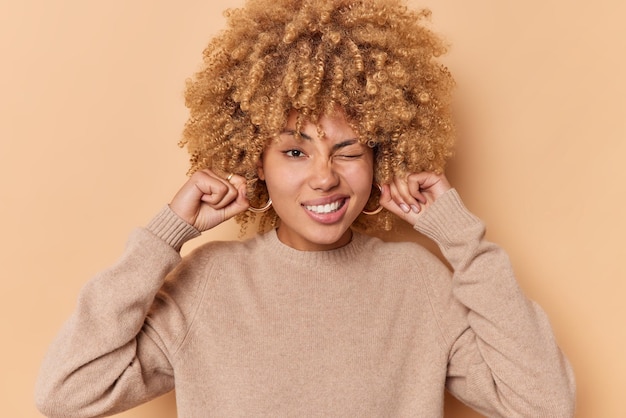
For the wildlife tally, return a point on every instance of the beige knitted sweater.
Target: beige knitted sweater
(258, 329)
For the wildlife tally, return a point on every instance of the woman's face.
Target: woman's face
(318, 185)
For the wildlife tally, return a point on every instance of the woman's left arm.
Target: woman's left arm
(506, 361)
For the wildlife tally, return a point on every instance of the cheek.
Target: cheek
(361, 179)
(281, 180)
(269, 169)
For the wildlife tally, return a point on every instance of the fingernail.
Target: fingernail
(404, 207)
(415, 208)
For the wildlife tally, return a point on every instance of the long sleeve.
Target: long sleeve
(505, 361)
(106, 358)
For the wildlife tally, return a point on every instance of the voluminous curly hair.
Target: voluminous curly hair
(375, 59)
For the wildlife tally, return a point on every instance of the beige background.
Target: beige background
(91, 110)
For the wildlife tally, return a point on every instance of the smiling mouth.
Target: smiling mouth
(327, 208)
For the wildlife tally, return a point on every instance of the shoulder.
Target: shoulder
(215, 250)
(199, 270)
(215, 256)
(405, 250)
(408, 260)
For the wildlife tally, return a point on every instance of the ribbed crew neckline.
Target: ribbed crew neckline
(276, 248)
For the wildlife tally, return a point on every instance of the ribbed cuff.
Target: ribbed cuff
(171, 228)
(447, 219)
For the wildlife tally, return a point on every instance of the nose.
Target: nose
(323, 176)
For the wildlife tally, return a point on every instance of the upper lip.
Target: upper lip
(324, 200)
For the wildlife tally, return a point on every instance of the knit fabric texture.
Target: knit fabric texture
(258, 329)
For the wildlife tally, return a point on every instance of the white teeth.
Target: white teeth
(327, 208)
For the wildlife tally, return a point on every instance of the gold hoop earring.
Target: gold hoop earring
(372, 212)
(378, 209)
(263, 209)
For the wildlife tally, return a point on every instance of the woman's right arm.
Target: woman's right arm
(107, 358)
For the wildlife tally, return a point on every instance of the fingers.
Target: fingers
(430, 185)
(235, 180)
(215, 191)
(240, 202)
(407, 197)
(208, 199)
(391, 200)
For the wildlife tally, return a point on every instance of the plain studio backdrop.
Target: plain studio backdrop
(91, 111)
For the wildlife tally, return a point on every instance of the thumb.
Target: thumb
(239, 205)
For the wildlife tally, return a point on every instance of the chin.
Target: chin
(331, 239)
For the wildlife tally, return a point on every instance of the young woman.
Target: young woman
(330, 119)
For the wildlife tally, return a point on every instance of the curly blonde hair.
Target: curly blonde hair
(375, 59)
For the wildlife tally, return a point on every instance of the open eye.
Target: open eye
(293, 153)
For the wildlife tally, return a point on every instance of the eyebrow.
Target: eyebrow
(337, 146)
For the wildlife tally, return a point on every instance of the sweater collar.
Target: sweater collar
(349, 252)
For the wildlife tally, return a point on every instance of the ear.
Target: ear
(259, 169)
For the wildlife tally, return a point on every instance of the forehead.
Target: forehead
(333, 126)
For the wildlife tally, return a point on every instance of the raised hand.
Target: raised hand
(408, 197)
(206, 199)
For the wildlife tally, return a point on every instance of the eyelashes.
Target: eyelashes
(296, 154)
